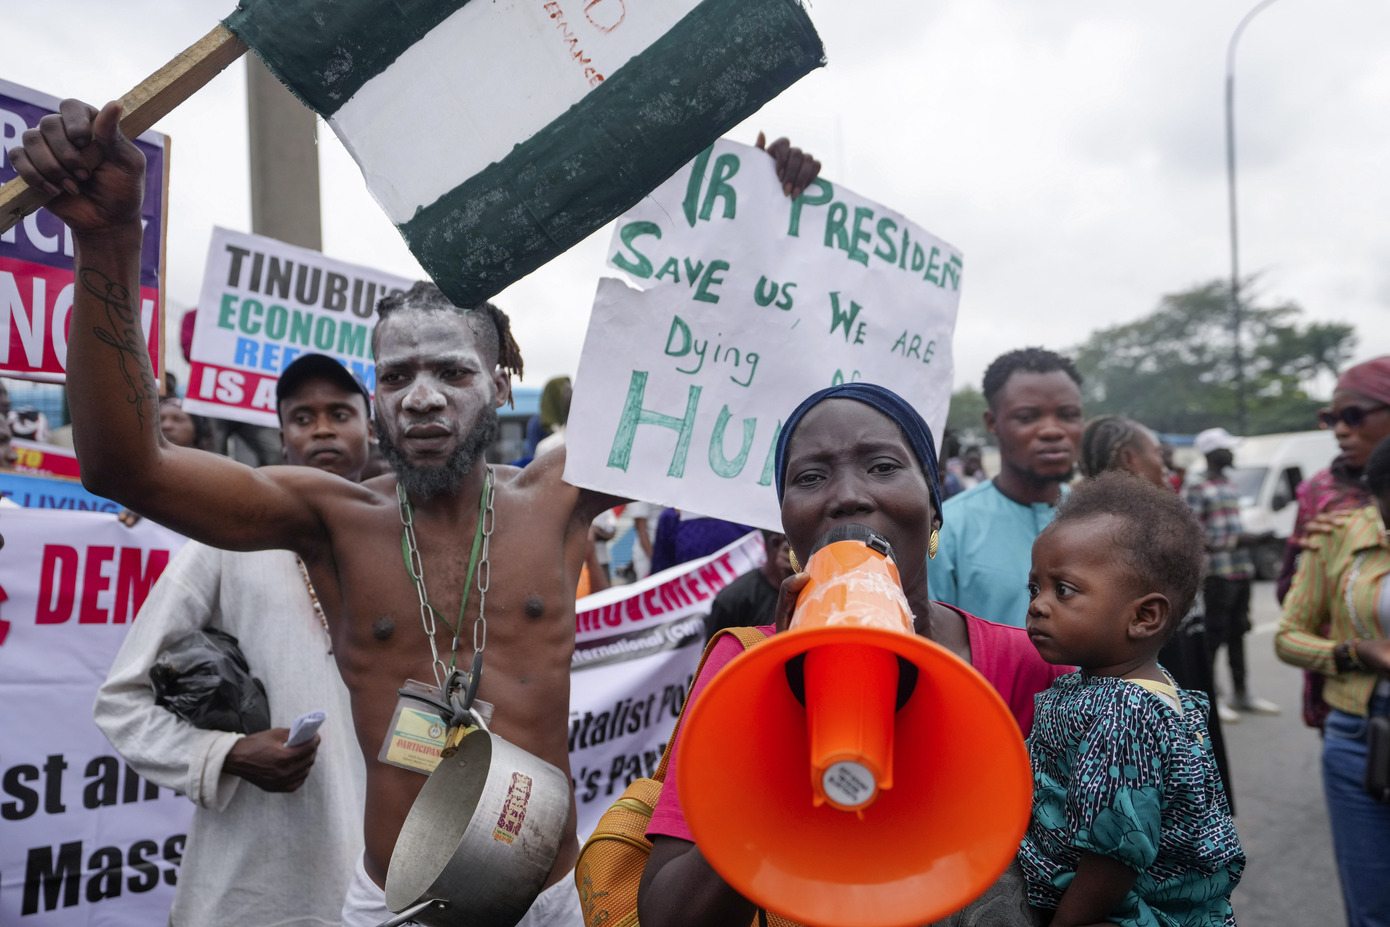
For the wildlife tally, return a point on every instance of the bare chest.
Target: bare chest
(517, 597)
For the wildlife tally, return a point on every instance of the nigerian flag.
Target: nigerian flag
(498, 133)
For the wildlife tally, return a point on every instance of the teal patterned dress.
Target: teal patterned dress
(1120, 773)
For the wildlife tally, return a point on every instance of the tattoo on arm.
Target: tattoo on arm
(126, 337)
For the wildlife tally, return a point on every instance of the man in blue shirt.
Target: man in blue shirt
(986, 543)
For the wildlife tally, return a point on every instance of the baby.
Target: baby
(1130, 823)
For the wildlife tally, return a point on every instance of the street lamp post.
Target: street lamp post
(1236, 309)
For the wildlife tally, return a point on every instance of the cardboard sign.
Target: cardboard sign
(745, 302)
(263, 304)
(36, 267)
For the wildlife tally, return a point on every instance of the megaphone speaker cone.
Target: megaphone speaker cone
(948, 826)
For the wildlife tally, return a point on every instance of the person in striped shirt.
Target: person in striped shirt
(1230, 569)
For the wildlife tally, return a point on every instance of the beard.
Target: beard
(1042, 480)
(426, 482)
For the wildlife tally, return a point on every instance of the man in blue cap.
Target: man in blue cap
(255, 855)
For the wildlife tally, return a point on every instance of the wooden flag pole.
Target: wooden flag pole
(154, 98)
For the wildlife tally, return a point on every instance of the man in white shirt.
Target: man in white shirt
(279, 847)
(644, 516)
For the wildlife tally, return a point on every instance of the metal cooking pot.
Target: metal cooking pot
(481, 838)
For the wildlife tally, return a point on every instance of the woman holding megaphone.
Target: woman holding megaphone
(853, 455)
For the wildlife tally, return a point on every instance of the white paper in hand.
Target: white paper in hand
(305, 727)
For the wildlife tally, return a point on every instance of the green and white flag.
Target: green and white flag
(498, 133)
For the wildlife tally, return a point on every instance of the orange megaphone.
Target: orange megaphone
(849, 771)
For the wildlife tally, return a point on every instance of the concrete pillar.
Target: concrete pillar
(284, 161)
(284, 206)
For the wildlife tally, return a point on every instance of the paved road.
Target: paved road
(1290, 878)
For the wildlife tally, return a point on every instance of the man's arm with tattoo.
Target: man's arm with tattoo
(98, 178)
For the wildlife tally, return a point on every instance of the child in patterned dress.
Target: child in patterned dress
(1130, 823)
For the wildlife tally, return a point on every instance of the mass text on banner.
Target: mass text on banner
(87, 840)
(36, 256)
(636, 650)
(263, 304)
(736, 303)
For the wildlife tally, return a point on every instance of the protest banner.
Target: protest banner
(40, 459)
(496, 135)
(86, 840)
(36, 266)
(745, 302)
(636, 649)
(33, 491)
(263, 304)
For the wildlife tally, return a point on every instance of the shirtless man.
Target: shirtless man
(441, 375)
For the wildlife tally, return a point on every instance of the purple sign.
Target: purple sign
(36, 255)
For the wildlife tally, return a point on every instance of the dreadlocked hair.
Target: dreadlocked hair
(490, 325)
(507, 351)
(1104, 440)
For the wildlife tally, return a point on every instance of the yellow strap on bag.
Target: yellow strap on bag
(610, 864)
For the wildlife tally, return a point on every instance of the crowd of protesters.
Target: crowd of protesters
(1028, 567)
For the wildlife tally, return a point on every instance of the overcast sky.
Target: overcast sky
(1072, 149)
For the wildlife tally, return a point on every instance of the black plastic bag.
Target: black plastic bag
(203, 678)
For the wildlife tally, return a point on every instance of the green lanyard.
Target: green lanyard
(472, 563)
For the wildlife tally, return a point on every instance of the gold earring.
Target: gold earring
(933, 543)
(791, 555)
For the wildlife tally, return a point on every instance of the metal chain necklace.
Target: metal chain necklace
(410, 550)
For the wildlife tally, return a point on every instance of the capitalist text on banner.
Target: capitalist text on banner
(636, 649)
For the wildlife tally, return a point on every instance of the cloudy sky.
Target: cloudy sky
(1072, 149)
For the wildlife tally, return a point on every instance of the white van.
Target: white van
(1268, 468)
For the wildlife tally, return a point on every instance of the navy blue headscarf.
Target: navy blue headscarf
(913, 426)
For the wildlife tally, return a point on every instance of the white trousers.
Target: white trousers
(557, 906)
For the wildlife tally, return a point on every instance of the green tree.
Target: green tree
(1174, 369)
(967, 411)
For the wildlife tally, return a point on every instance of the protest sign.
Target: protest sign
(86, 839)
(263, 304)
(745, 302)
(496, 135)
(36, 265)
(40, 459)
(636, 649)
(33, 491)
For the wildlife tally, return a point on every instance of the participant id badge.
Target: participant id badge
(416, 735)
